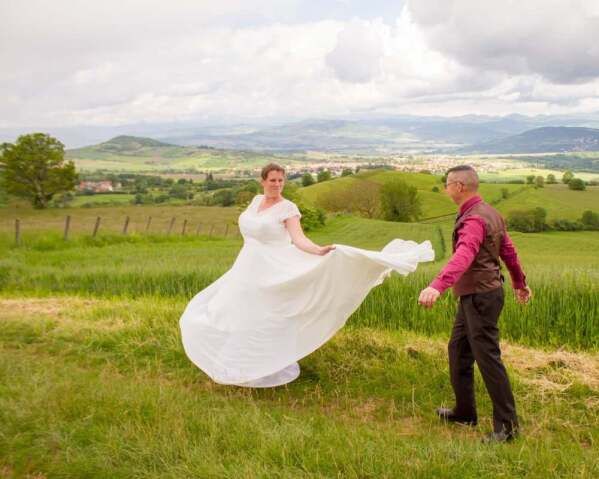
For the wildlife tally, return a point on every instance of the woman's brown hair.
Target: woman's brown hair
(271, 167)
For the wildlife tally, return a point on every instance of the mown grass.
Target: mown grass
(101, 388)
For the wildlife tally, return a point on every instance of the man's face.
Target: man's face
(454, 187)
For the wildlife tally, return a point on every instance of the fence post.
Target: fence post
(226, 229)
(211, 229)
(67, 224)
(126, 225)
(198, 228)
(18, 232)
(96, 227)
(170, 227)
(148, 224)
(184, 227)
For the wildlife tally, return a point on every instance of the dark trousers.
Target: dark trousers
(475, 337)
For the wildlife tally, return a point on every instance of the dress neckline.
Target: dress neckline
(259, 212)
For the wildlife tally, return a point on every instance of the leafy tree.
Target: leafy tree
(34, 168)
(577, 184)
(551, 179)
(400, 202)
(505, 193)
(307, 179)
(223, 197)
(590, 220)
(567, 177)
(530, 179)
(347, 172)
(527, 221)
(539, 182)
(323, 175)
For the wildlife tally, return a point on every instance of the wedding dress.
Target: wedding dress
(278, 304)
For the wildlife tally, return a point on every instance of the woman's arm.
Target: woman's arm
(299, 239)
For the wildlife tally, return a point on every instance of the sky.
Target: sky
(85, 62)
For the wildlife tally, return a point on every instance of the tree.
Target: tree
(590, 220)
(568, 175)
(551, 179)
(323, 175)
(539, 182)
(34, 168)
(577, 184)
(307, 179)
(347, 172)
(530, 179)
(527, 221)
(400, 202)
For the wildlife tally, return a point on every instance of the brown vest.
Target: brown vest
(484, 274)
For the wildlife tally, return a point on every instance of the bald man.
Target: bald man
(480, 240)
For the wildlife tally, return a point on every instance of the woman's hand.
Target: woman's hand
(326, 249)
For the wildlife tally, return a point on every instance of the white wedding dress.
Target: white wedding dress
(278, 304)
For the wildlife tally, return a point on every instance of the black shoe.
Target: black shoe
(447, 414)
(499, 437)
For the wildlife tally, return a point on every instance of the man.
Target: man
(479, 241)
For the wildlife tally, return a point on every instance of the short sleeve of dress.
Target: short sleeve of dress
(289, 210)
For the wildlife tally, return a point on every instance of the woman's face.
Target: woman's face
(273, 184)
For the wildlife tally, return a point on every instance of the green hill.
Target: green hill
(434, 204)
(137, 154)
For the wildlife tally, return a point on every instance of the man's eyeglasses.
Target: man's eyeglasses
(451, 183)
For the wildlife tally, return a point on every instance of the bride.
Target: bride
(284, 296)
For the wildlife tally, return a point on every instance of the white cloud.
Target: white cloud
(106, 63)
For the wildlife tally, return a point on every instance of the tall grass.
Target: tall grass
(563, 312)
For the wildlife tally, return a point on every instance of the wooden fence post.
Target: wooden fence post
(184, 227)
(18, 232)
(170, 227)
(96, 227)
(198, 228)
(67, 224)
(226, 229)
(126, 225)
(148, 224)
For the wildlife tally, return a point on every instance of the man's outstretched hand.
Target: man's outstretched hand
(523, 295)
(428, 296)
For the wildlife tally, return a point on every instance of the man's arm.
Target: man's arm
(470, 237)
(507, 252)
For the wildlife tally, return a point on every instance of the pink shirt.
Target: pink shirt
(470, 237)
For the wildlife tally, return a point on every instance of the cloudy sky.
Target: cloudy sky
(109, 62)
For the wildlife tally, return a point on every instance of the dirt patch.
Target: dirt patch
(42, 306)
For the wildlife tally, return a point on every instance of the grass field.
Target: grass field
(94, 381)
(95, 387)
(558, 200)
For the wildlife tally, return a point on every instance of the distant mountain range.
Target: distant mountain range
(380, 135)
(542, 140)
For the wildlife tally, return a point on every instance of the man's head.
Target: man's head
(461, 183)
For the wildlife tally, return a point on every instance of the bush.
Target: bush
(505, 193)
(566, 225)
(223, 197)
(568, 175)
(362, 198)
(527, 221)
(347, 172)
(539, 182)
(307, 179)
(400, 202)
(530, 179)
(577, 184)
(435, 189)
(590, 220)
(551, 179)
(312, 218)
(323, 175)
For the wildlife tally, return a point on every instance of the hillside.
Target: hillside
(542, 140)
(129, 153)
(434, 204)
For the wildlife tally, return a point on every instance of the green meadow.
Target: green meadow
(94, 381)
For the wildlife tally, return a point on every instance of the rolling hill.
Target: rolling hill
(131, 153)
(542, 140)
(558, 200)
